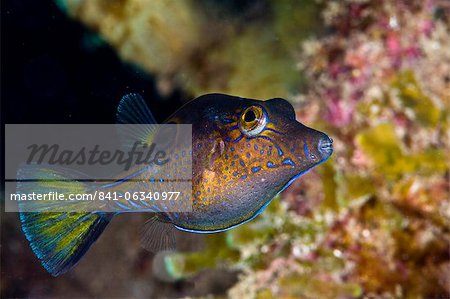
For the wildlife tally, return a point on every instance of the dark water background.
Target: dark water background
(51, 72)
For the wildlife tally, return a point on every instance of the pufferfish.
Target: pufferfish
(244, 152)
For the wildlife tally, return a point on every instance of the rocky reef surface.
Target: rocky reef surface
(235, 47)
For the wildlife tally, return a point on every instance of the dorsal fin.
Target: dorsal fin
(133, 110)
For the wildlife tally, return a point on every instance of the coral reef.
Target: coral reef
(205, 47)
(375, 221)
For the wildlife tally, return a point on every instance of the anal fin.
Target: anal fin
(157, 235)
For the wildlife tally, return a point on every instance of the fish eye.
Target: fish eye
(252, 120)
(249, 116)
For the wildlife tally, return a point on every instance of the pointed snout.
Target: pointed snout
(325, 147)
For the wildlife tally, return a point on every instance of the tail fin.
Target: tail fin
(58, 238)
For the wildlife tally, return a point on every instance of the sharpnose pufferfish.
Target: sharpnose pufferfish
(244, 152)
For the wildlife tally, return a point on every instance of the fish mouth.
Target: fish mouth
(325, 147)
